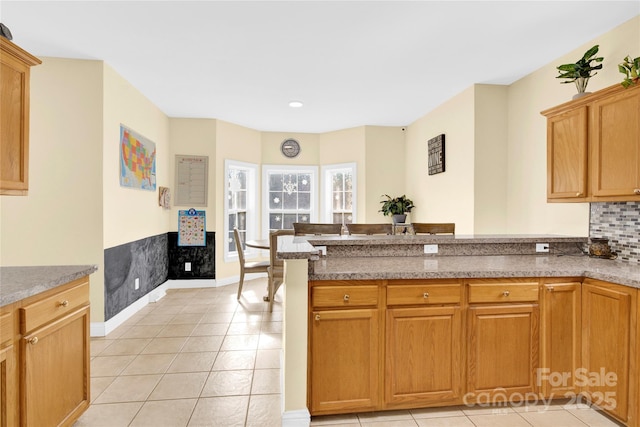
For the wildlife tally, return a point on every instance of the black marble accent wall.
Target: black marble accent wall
(145, 259)
(202, 258)
(620, 223)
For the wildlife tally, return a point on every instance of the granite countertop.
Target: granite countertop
(458, 239)
(470, 266)
(17, 283)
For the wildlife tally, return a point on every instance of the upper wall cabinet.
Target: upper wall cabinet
(593, 147)
(15, 66)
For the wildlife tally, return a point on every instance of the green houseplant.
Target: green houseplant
(396, 207)
(581, 71)
(631, 70)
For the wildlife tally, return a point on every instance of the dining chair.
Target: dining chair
(369, 229)
(247, 267)
(434, 228)
(276, 267)
(304, 228)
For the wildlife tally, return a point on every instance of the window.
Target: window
(339, 193)
(289, 196)
(240, 209)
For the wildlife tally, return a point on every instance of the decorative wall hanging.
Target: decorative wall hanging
(192, 228)
(164, 197)
(436, 154)
(191, 180)
(137, 160)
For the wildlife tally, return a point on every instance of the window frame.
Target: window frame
(251, 211)
(326, 191)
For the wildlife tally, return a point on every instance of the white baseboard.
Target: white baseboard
(297, 418)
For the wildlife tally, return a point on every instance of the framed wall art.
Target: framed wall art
(436, 154)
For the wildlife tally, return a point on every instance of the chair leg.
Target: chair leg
(240, 283)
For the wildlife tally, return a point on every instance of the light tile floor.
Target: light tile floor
(198, 357)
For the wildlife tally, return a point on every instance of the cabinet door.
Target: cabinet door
(567, 155)
(560, 339)
(344, 373)
(606, 334)
(55, 371)
(8, 388)
(503, 351)
(615, 138)
(423, 356)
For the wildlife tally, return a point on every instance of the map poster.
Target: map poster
(137, 160)
(192, 228)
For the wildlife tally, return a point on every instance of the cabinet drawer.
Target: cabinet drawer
(503, 292)
(344, 296)
(6, 328)
(423, 294)
(47, 309)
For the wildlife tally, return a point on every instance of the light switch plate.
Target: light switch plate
(187, 266)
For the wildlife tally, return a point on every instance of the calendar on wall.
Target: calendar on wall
(192, 228)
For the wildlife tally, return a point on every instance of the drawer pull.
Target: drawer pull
(506, 293)
(637, 191)
(33, 340)
(64, 303)
(346, 297)
(317, 317)
(550, 288)
(425, 295)
(578, 194)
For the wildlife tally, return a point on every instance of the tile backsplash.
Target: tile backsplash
(620, 223)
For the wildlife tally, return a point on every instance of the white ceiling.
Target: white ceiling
(352, 63)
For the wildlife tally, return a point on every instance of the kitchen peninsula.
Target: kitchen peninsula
(378, 324)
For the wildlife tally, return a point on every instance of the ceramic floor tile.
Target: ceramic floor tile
(186, 318)
(165, 345)
(266, 381)
(196, 308)
(244, 329)
(445, 422)
(270, 341)
(98, 345)
(204, 343)
(207, 329)
(149, 364)
(268, 359)
(193, 362)
(123, 347)
(179, 386)
(165, 413)
(541, 405)
(347, 420)
(593, 418)
(98, 385)
(109, 366)
(264, 410)
(486, 410)
(552, 419)
(397, 423)
(109, 415)
(271, 327)
(227, 411)
(142, 331)
(155, 319)
(455, 411)
(240, 342)
(228, 383)
(384, 416)
(499, 420)
(249, 317)
(217, 317)
(179, 330)
(132, 388)
(234, 360)
(274, 316)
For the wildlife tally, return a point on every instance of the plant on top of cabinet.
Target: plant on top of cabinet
(581, 71)
(631, 69)
(396, 206)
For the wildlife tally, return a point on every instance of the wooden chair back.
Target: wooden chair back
(434, 228)
(305, 228)
(369, 229)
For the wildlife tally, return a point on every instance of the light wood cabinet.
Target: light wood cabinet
(560, 338)
(44, 357)
(423, 357)
(593, 147)
(344, 349)
(15, 64)
(609, 321)
(502, 340)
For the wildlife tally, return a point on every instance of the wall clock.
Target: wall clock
(290, 148)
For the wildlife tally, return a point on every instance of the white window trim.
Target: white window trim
(312, 170)
(326, 189)
(252, 196)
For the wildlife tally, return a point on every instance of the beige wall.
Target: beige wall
(448, 196)
(527, 210)
(60, 221)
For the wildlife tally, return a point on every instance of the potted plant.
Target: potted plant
(631, 70)
(396, 208)
(581, 71)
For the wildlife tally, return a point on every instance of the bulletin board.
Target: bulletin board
(192, 228)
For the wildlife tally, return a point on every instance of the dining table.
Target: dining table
(258, 244)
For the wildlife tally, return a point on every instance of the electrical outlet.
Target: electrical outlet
(430, 249)
(542, 247)
(136, 283)
(187, 266)
(322, 249)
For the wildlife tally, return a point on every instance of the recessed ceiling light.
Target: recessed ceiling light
(295, 104)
